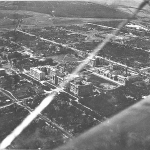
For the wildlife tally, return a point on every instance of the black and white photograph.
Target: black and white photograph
(75, 75)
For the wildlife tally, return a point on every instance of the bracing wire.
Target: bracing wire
(8, 140)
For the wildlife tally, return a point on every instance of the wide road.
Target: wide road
(6, 105)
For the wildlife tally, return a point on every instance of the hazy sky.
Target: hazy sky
(109, 2)
(136, 2)
(103, 1)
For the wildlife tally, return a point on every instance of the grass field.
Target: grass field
(41, 14)
(32, 19)
(29, 19)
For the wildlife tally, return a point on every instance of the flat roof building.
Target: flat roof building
(116, 73)
(2, 72)
(36, 73)
(52, 72)
(81, 87)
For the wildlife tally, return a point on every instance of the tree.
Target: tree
(8, 82)
(14, 55)
(16, 79)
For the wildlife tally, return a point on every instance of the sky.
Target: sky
(100, 1)
(108, 2)
(126, 2)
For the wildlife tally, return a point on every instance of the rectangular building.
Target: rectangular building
(92, 62)
(2, 72)
(36, 73)
(52, 75)
(81, 87)
(61, 78)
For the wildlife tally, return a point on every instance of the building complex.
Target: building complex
(112, 71)
(81, 86)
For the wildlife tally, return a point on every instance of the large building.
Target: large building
(78, 87)
(37, 73)
(52, 72)
(61, 78)
(98, 61)
(2, 72)
(116, 73)
(92, 62)
(57, 73)
(81, 87)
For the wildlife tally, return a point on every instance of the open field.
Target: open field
(26, 18)
(67, 9)
(41, 14)
(68, 21)
(29, 19)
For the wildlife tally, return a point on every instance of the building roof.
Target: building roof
(37, 70)
(117, 72)
(68, 67)
(53, 69)
(120, 76)
(80, 81)
(59, 74)
(2, 69)
(107, 71)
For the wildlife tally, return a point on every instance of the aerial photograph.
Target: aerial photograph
(42, 43)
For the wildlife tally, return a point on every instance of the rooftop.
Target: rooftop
(80, 81)
(37, 70)
(54, 69)
(59, 74)
(117, 71)
(69, 67)
(2, 69)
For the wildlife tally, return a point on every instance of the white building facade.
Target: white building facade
(36, 73)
